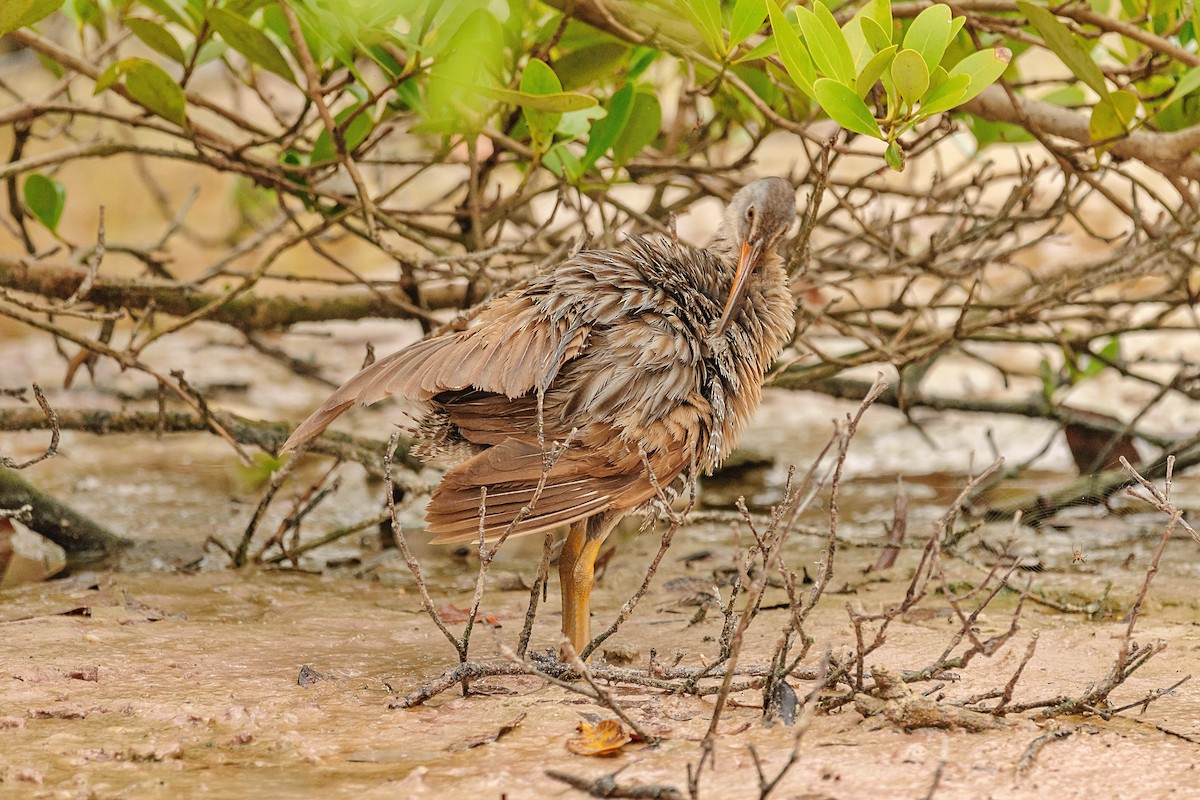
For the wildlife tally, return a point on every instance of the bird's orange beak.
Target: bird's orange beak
(747, 259)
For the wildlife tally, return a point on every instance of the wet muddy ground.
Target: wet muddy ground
(171, 675)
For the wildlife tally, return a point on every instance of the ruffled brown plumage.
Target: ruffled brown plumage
(622, 363)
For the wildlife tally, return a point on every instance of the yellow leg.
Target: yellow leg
(576, 565)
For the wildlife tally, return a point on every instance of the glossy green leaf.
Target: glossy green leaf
(929, 34)
(846, 108)
(705, 16)
(910, 75)
(983, 69)
(869, 75)
(946, 95)
(645, 122)
(876, 36)
(151, 86)
(45, 198)
(564, 163)
(826, 44)
(606, 131)
(19, 13)
(539, 79)
(792, 53)
(748, 16)
(156, 37)
(250, 42)
(1066, 45)
(880, 12)
(456, 94)
(576, 123)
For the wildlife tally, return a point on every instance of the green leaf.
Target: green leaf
(705, 16)
(748, 16)
(606, 131)
(1066, 46)
(19, 13)
(564, 163)
(148, 84)
(1189, 83)
(983, 68)
(645, 121)
(910, 75)
(873, 69)
(588, 64)
(929, 34)
(894, 156)
(1112, 117)
(880, 12)
(171, 11)
(795, 58)
(946, 95)
(46, 199)
(826, 43)
(767, 47)
(250, 42)
(876, 36)
(151, 86)
(558, 102)
(325, 151)
(576, 123)
(156, 37)
(846, 108)
(539, 79)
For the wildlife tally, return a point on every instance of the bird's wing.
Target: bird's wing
(513, 348)
(523, 494)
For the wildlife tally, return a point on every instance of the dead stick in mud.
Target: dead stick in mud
(607, 786)
(83, 538)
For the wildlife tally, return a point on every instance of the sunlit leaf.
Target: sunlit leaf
(826, 44)
(911, 75)
(46, 199)
(767, 47)
(455, 98)
(539, 79)
(876, 37)
(748, 16)
(645, 121)
(846, 108)
(983, 69)
(157, 91)
(148, 84)
(250, 42)
(19, 13)
(604, 738)
(946, 95)
(869, 75)
(792, 52)
(705, 16)
(156, 37)
(1058, 37)
(558, 102)
(929, 34)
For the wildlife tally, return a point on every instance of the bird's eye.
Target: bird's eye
(750, 214)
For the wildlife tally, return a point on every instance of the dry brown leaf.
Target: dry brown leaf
(604, 738)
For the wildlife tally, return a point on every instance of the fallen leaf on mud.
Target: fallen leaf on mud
(487, 738)
(454, 615)
(604, 738)
(692, 591)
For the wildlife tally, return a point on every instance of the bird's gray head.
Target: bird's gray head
(757, 218)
